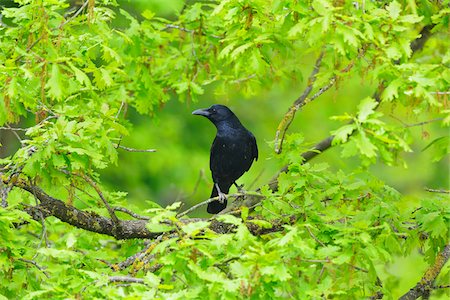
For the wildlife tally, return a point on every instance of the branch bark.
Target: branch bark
(424, 287)
(120, 229)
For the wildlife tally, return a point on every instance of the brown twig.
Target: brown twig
(304, 100)
(129, 212)
(326, 143)
(100, 194)
(82, 7)
(299, 102)
(32, 262)
(314, 237)
(417, 124)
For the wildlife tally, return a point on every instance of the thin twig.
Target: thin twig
(416, 124)
(127, 211)
(13, 128)
(36, 265)
(240, 80)
(126, 279)
(120, 109)
(134, 150)
(303, 99)
(443, 286)
(215, 199)
(289, 116)
(314, 237)
(437, 191)
(74, 15)
(100, 194)
(197, 206)
(320, 274)
(440, 93)
(171, 26)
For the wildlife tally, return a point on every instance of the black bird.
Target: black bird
(232, 152)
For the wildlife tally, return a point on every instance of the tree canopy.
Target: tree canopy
(104, 172)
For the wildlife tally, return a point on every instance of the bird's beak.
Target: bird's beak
(201, 112)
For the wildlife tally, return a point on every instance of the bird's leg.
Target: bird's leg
(240, 188)
(222, 196)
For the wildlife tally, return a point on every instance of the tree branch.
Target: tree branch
(49, 206)
(100, 194)
(426, 284)
(123, 229)
(253, 194)
(127, 279)
(441, 191)
(299, 102)
(134, 150)
(326, 143)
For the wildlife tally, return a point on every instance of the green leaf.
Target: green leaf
(261, 223)
(241, 49)
(148, 14)
(195, 227)
(364, 145)
(229, 219)
(174, 206)
(341, 135)
(322, 7)
(54, 84)
(159, 227)
(394, 9)
(80, 76)
(196, 89)
(391, 91)
(366, 108)
(411, 19)
(393, 52)
(434, 222)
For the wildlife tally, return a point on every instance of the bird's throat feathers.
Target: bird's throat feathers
(228, 125)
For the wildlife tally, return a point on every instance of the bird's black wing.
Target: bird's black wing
(254, 146)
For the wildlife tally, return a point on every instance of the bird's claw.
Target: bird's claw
(240, 188)
(222, 197)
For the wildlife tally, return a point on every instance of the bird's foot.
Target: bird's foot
(240, 188)
(222, 197)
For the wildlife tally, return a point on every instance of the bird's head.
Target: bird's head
(215, 113)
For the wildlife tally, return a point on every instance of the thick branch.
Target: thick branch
(426, 284)
(123, 229)
(49, 206)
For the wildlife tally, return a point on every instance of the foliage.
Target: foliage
(83, 72)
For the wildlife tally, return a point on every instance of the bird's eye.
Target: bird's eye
(213, 110)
